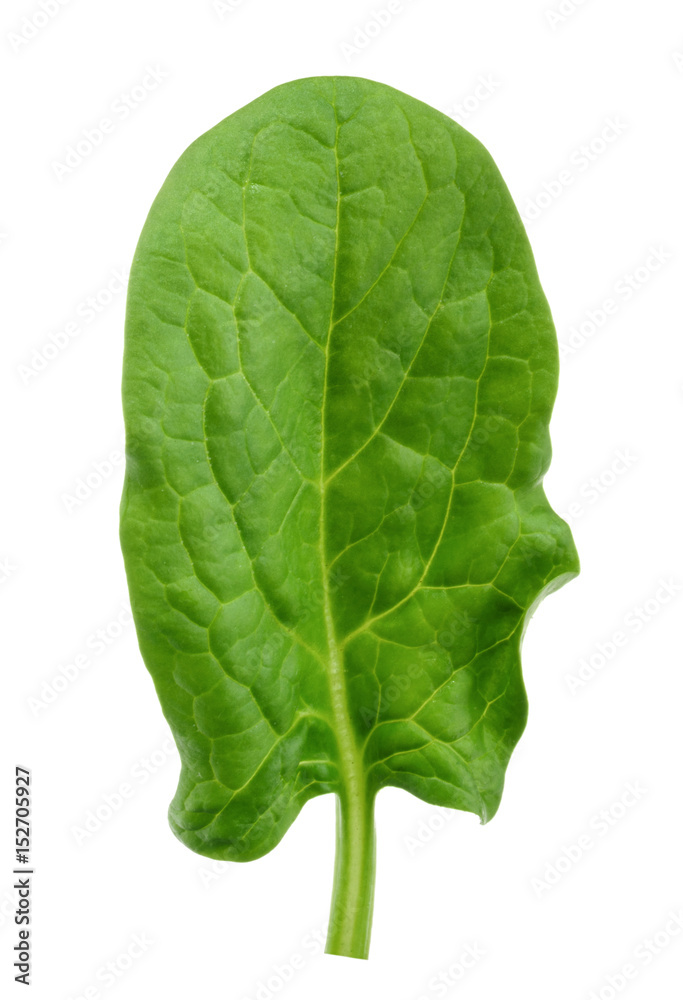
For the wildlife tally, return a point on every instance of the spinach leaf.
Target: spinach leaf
(339, 372)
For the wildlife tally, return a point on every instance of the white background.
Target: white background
(552, 85)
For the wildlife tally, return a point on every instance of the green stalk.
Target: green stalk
(353, 892)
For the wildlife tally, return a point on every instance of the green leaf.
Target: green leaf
(339, 372)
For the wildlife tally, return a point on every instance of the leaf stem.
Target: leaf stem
(353, 892)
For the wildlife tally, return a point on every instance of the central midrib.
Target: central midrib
(351, 770)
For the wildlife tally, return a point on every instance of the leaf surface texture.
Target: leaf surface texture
(339, 372)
